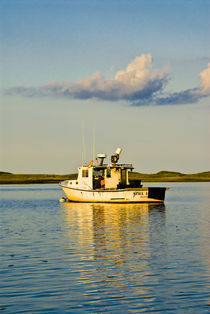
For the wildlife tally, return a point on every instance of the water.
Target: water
(103, 258)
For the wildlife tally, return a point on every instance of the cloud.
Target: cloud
(137, 84)
(190, 95)
(136, 81)
(205, 81)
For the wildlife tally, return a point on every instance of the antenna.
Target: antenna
(83, 147)
(93, 145)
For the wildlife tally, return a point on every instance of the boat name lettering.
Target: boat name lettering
(138, 193)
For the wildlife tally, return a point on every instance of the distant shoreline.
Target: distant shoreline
(162, 176)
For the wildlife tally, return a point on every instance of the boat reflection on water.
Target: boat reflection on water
(114, 230)
(115, 246)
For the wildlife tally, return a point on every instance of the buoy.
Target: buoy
(63, 199)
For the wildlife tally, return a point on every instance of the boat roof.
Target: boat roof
(109, 166)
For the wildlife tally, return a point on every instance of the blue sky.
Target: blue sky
(135, 71)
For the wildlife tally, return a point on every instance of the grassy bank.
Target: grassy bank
(162, 176)
(170, 176)
(10, 178)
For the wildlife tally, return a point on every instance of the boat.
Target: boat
(109, 183)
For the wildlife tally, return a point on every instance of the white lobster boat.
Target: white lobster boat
(109, 183)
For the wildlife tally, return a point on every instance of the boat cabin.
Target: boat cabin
(105, 176)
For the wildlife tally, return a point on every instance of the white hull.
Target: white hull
(138, 195)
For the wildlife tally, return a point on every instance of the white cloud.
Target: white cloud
(129, 84)
(137, 74)
(205, 80)
(137, 84)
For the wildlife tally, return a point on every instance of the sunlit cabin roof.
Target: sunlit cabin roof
(120, 166)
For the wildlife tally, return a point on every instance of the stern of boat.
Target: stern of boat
(156, 193)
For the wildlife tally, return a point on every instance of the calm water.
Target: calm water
(86, 258)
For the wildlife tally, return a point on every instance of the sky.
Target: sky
(136, 73)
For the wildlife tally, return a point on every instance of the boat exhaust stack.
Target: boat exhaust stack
(115, 157)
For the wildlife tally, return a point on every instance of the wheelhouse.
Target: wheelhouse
(105, 176)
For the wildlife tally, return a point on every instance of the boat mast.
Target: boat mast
(83, 147)
(93, 145)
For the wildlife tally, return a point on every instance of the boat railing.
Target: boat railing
(114, 166)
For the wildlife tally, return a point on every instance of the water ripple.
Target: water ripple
(103, 258)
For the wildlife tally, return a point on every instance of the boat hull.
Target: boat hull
(135, 195)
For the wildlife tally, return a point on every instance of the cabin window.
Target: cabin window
(85, 173)
(98, 172)
(108, 173)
